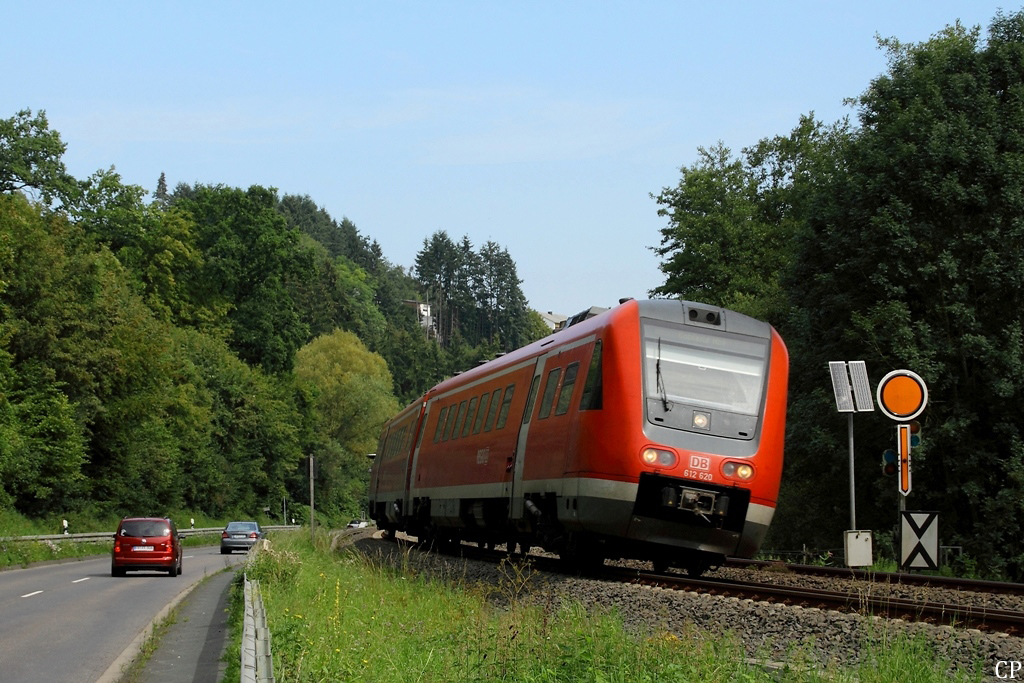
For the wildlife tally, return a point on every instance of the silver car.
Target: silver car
(239, 536)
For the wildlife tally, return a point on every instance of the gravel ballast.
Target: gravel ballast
(769, 632)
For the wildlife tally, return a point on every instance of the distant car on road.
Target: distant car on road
(358, 524)
(239, 536)
(142, 543)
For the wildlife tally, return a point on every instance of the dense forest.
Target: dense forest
(190, 348)
(897, 239)
(189, 352)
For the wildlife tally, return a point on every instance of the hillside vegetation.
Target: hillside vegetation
(190, 350)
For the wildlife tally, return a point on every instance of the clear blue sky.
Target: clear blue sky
(544, 126)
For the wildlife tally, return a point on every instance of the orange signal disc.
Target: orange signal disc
(902, 395)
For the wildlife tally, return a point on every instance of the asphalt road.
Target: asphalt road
(72, 622)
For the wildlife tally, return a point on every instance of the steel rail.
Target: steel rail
(894, 578)
(940, 613)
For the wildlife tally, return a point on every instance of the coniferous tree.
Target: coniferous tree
(161, 194)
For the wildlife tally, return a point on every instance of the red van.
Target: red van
(146, 543)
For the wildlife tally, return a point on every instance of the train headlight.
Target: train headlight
(738, 470)
(701, 420)
(658, 457)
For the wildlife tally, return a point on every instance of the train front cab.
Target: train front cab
(682, 465)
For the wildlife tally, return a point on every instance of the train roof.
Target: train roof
(594, 318)
(591, 319)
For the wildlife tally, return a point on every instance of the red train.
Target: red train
(653, 431)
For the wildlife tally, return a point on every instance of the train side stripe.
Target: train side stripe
(582, 487)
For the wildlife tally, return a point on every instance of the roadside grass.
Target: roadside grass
(342, 616)
(24, 553)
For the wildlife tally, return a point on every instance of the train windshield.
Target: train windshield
(713, 371)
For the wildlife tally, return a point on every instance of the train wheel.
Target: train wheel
(699, 564)
(660, 566)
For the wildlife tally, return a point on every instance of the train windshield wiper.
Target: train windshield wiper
(660, 380)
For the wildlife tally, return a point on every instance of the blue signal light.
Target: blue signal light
(889, 462)
(915, 434)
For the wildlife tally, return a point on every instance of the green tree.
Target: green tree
(241, 431)
(437, 269)
(161, 195)
(535, 327)
(734, 223)
(42, 448)
(351, 389)
(84, 350)
(499, 298)
(340, 239)
(30, 159)
(253, 262)
(157, 245)
(914, 259)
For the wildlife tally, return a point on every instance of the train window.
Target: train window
(593, 398)
(549, 392)
(393, 441)
(505, 405)
(480, 414)
(469, 416)
(406, 442)
(459, 419)
(449, 424)
(495, 400)
(440, 424)
(400, 441)
(715, 371)
(565, 395)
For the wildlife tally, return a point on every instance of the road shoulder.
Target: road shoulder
(190, 649)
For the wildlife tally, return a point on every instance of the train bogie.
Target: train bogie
(653, 431)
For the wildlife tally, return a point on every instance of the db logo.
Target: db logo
(1008, 670)
(700, 463)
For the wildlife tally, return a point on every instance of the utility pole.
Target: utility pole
(312, 518)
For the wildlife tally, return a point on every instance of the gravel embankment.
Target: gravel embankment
(769, 632)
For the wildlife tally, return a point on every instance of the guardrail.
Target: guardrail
(104, 535)
(257, 659)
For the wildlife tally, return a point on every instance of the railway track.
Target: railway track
(869, 595)
(865, 603)
(952, 583)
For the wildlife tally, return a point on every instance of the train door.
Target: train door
(413, 453)
(375, 466)
(514, 484)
